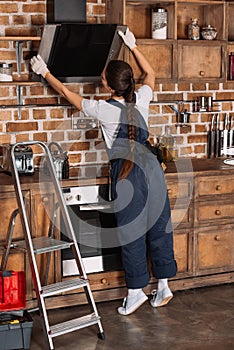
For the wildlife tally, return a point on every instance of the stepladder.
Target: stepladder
(40, 249)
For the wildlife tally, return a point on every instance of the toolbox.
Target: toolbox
(15, 323)
(15, 331)
(12, 290)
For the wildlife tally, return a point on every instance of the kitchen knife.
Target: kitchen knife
(225, 136)
(218, 137)
(211, 138)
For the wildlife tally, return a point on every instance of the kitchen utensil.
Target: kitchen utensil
(218, 137)
(225, 136)
(60, 160)
(212, 138)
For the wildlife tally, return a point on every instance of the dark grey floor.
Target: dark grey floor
(195, 319)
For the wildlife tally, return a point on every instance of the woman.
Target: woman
(138, 185)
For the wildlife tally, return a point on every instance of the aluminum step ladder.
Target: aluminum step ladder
(48, 244)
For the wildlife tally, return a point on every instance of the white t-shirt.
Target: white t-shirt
(109, 115)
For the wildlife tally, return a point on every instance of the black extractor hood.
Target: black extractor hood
(78, 52)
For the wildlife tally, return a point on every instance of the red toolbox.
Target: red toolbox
(12, 290)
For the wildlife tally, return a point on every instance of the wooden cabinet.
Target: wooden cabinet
(180, 192)
(201, 61)
(214, 224)
(177, 57)
(202, 207)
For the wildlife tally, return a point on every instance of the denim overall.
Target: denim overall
(141, 207)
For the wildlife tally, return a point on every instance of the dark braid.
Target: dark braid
(119, 76)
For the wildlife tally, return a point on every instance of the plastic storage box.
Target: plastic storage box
(12, 290)
(15, 333)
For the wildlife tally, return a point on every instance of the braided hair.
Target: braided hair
(119, 76)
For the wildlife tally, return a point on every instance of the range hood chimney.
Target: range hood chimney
(66, 11)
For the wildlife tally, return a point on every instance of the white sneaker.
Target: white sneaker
(131, 304)
(162, 297)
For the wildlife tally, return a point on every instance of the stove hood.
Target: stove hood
(78, 52)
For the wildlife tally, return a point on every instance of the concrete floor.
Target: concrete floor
(201, 319)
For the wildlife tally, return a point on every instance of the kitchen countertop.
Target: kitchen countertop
(185, 166)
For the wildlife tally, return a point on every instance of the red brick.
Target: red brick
(20, 126)
(80, 146)
(91, 157)
(4, 139)
(40, 136)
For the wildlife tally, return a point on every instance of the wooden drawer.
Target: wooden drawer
(216, 210)
(215, 251)
(215, 185)
(107, 280)
(181, 216)
(179, 189)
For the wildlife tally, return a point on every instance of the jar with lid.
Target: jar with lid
(6, 72)
(159, 23)
(194, 30)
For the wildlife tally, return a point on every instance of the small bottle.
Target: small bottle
(174, 151)
(194, 30)
(167, 142)
(65, 169)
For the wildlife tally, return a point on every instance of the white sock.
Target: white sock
(162, 283)
(133, 292)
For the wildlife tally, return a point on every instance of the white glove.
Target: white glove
(39, 66)
(128, 38)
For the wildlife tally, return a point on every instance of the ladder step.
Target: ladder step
(73, 325)
(45, 245)
(64, 286)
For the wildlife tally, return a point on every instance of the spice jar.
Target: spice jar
(6, 72)
(194, 30)
(159, 23)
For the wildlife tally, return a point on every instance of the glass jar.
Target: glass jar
(194, 30)
(6, 72)
(167, 142)
(159, 23)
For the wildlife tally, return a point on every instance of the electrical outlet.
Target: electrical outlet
(80, 122)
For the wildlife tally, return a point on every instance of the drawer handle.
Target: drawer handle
(103, 281)
(218, 188)
(45, 199)
(202, 73)
(169, 191)
(217, 238)
(217, 212)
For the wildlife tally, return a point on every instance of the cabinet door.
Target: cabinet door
(160, 55)
(215, 251)
(200, 61)
(183, 252)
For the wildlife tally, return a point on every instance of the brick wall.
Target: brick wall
(51, 123)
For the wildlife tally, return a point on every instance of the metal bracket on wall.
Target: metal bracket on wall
(80, 122)
(18, 55)
(19, 99)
